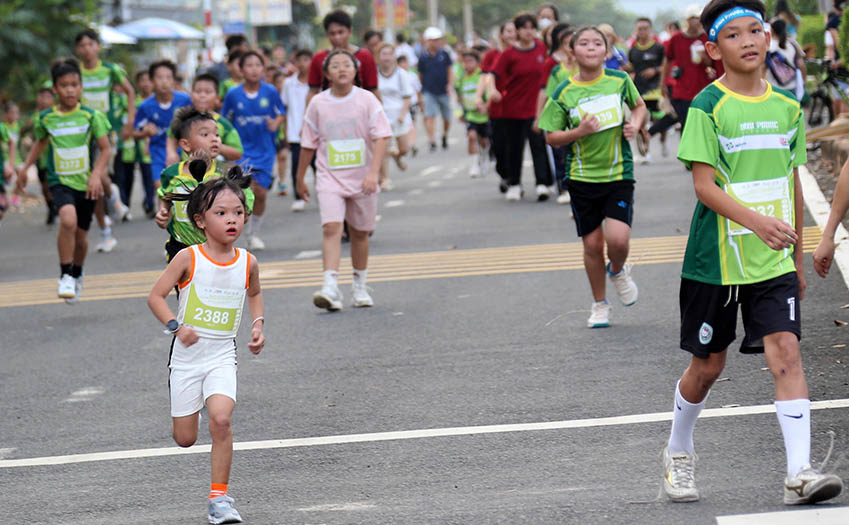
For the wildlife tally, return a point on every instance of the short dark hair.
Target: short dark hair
(371, 33)
(277, 74)
(185, 118)
(234, 41)
(399, 37)
(470, 53)
(64, 66)
(234, 56)
(151, 70)
(206, 77)
(337, 16)
(265, 50)
(140, 73)
(643, 19)
(558, 33)
(87, 33)
(402, 58)
(44, 89)
(716, 7)
(584, 29)
(250, 53)
(523, 19)
(335, 52)
(303, 53)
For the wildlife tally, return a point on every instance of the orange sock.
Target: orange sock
(217, 489)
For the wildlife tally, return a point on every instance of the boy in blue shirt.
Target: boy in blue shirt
(255, 109)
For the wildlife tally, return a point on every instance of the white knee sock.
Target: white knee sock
(331, 278)
(794, 416)
(360, 277)
(684, 416)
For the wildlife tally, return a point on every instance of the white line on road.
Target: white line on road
(394, 204)
(417, 191)
(308, 254)
(819, 208)
(429, 170)
(84, 394)
(435, 183)
(327, 507)
(823, 516)
(6, 452)
(405, 434)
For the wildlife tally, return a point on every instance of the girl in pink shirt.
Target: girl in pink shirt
(346, 129)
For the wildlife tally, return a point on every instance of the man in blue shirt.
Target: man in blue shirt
(256, 111)
(154, 115)
(437, 78)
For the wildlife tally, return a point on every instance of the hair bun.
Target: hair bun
(238, 176)
(197, 168)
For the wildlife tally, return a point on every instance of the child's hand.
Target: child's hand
(269, 123)
(370, 183)
(589, 124)
(9, 172)
(824, 256)
(150, 129)
(95, 188)
(481, 107)
(303, 190)
(775, 233)
(171, 158)
(257, 340)
(187, 335)
(495, 96)
(629, 130)
(163, 216)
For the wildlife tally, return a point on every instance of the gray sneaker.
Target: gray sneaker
(679, 476)
(811, 486)
(221, 511)
(329, 297)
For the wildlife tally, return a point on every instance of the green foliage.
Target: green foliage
(800, 7)
(34, 33)
(843, 35)
(812, 31)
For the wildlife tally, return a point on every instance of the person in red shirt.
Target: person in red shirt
(519, 69)
(492, 87)
(338, 27)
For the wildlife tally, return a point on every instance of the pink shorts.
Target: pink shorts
(360, 211)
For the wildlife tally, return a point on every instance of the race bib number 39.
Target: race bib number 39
(770, 198)
(608, 110)
(213, 309)
(343, 154)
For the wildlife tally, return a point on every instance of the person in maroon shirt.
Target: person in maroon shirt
(519, 69)
(337, 26)
(492, 87)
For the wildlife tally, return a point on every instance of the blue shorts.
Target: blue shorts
(263, 178)
(156, 170)
(437, 104)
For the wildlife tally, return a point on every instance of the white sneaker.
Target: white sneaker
(386, 185)
(78, 291)
(811, 486)
(514, 193)
(475, 170)
(543, 192)
(647, 159)
(679, 476)
(360, 296)
(484, 163)
(564, 198)
(625, 286)
(117, 210)
(599, 315)
(299, 205)
(67, 287)
(329, 298)
(107, 244)
(221, 510)
(255, 243)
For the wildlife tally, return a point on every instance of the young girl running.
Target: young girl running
(348, 128)
(397, 95)
(214, 279)
(586, 113)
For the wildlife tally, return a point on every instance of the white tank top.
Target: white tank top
(211, 299)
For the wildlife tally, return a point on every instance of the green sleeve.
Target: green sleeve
(4, 133)
(797, 145)
(168, 175)
(117, 74)
(249, 199)
(229, 135)
(551, 84)
(631, 93)
(38, 129)
(699, 142)
(99, 125)
(554, 116)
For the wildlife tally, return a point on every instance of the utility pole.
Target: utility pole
(468, 25)
(433, 12)
(390, 21)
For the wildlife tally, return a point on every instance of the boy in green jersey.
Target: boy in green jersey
(235, 75)
(197, 134)
(67, 131)
(477, 122)
(585, 113)
(744, 140)
(44, 99)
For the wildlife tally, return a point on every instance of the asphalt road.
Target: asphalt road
(470, 345)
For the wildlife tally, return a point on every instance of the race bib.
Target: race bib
(71, 161)
(180, 209)
(770, 198)
(98, 100)
(213, 309)
(608, 110)
(344, 154)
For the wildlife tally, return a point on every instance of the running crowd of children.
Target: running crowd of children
(207, 163)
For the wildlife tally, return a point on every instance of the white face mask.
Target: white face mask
(542, 23)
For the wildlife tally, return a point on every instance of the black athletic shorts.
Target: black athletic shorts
(42, 175)
(593, 201)
(709, 313)
(65, 196)
(173, 247)
(481, 129)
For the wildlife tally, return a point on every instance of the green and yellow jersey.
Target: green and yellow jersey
(466, 86)
(226, 85)
(604, 156)
(13, 129)
(69, 159)
(754, 144)
(559, 74)
(41, 163)
(4, 143)
(98, 83)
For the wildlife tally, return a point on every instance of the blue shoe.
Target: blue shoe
(221, 511)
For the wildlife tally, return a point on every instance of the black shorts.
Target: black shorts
(173, 247)
(482, 129)
(65, 196)
(42, 175)
(593, 201)
(709, 313)
(280, 145)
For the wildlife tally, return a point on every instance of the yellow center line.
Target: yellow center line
(382, 268)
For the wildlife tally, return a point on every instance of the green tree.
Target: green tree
(34, 33)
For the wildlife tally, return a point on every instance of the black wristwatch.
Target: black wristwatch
(172, 326)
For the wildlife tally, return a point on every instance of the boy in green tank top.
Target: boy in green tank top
(477, 122)
(67, 131)
(744, 140)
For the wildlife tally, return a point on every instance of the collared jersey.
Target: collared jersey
(466, 86)
(97, 88)
(754, 144)
(249, 112)
(160, 115)
(226, 132)
(603, 156)
(69, 156)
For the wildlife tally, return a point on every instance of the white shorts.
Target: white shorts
(206, 368)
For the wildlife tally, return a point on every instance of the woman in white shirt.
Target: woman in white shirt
(396, 94)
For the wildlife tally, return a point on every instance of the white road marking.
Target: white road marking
(377, 219)
(405, 434)
(396, 314)
(819, 208)
(435, 183)
(417, 191)
(449, 176)
(430, 170)
(6, 452)
(394, 204)
(815, 516)
(84, 394)
(354, 505)
(308, 254)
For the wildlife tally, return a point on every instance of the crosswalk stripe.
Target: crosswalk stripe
(382, 268)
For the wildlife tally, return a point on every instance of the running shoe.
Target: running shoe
(543, 192)
(221, 511)
(329, 298)
(255, 243)
(564, 198)
(625, 286)
(386, 185)
(475, 170)
(282, 189)
(444, 142)
(78, 291)
(399, 161)
(117, 210)
(299, 205)
(643, 138)
(361, 298)
(502, 186)
(107, 243)
(599, 315)
(67, 287)
(514, 193)
(432, 147)
(679, 478)
(664, 149)
(811, 486)
(51, 216)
